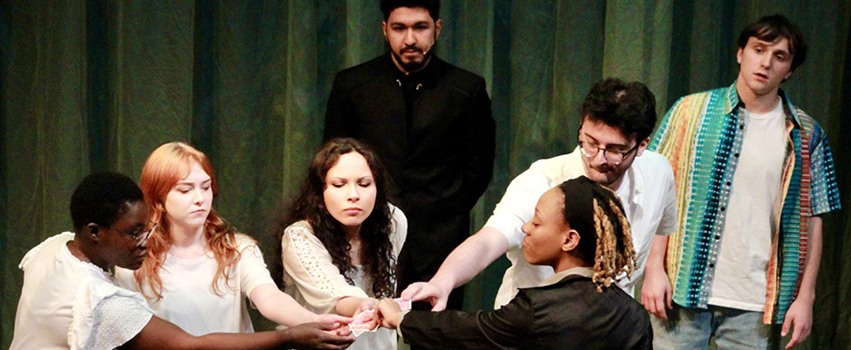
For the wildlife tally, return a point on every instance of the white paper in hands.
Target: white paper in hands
(363, 321)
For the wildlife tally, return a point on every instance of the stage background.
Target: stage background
(97, 85)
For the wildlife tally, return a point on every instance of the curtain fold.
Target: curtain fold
(97, 85)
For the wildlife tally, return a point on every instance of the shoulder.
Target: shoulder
(244, 241)
(810, 125)
(456, 77)
(397, 215)
(46, 249)
(653, 163)
(299, 227)
(550, 165)
(300, 232)
(351, 77)
(700, 98)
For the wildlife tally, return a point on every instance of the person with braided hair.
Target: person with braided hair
(579, 229)
(616, 120)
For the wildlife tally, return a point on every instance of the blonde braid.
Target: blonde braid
(604, 269)
(627, 259)
(609, 261)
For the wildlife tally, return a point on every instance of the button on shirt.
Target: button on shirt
(702, 136)
(647, 193)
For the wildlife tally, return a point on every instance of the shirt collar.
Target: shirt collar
(734, 102)
(583, 271)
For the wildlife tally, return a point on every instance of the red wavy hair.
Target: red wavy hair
(167, 165)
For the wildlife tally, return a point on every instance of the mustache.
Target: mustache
(411, 48)
(602, 167)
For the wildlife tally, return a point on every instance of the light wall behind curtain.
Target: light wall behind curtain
(97, 85)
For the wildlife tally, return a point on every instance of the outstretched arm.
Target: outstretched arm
(280, 308)
(464, 263)
(161, 334)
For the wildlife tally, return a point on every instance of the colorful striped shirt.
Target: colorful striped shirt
(701, 135)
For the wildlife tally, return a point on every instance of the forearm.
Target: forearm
(260, 340)
(812, 262)
(470, 258)
(160, 334)
(279, 307)
(656, 258)
(347, 306)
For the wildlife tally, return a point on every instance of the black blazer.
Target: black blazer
(439, 152)
(570, 314)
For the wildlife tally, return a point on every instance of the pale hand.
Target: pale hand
(427, 291)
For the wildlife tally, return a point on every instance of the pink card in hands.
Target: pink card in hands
(362, 323)
(403, 303)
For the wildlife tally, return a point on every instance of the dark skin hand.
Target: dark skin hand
(161, 334)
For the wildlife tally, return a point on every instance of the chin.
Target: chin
(132, 266)
(600, 178)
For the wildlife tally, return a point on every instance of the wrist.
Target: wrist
(808, 298)
(284, 336)
(443, 285)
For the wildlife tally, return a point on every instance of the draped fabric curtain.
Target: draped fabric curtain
(97, 85)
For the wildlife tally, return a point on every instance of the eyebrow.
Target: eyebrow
(405, 24)
(767, 44)
(345, 178)
(598, 141)
(192, 183)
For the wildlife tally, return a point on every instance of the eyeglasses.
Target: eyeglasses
(139, 235)
(615, 156)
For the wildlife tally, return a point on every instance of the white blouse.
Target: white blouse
(187, 296)
(314, 281)
(67, 303)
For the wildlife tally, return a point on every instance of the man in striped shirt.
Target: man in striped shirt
(753, 173)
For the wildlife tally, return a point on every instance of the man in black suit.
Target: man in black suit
(430, 123)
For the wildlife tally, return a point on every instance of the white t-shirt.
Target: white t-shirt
(753, 214)
(188, 299)
(647, 193)
(70, 304)
(314, 281)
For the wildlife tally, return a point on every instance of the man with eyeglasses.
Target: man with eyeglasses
(617, 120)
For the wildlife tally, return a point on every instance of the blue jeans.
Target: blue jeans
(692, 328)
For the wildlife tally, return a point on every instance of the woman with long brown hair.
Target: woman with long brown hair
(340, 238)
(199, 270)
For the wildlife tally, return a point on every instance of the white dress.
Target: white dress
(70, 304)
(314, 282)
(188, 299)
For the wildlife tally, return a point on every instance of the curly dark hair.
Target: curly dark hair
(376, 249)
(629, 107)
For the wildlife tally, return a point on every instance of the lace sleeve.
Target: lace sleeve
(308, 264)
(117, 319)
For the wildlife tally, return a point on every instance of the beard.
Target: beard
(413, 66)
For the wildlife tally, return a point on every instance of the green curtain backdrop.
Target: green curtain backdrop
(97, 85)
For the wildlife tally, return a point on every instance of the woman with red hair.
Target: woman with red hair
(199, 270)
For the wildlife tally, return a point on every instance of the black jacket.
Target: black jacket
(569, 314)
(438, 145)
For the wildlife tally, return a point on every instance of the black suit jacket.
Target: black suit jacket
(570, 314)
(439, 152)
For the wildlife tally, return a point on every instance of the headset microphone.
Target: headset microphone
(428, 48)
